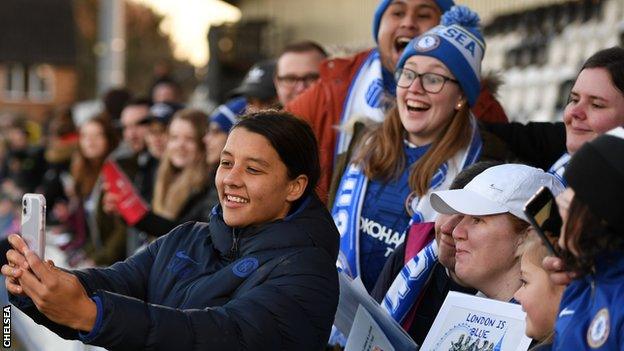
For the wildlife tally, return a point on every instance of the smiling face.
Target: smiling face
(402, 21)
(424, 115)
(182, 144)
(252, 181)
(487, 252)
(539, 297)
(595, 106)
(93, 142)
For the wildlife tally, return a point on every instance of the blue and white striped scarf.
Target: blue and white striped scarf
(366, 97)
(559, 167)
(409, 284)
(352, 190)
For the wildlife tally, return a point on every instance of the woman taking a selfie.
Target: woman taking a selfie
(261, 275)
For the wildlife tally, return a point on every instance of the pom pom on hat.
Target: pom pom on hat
(458, 44)
(461, 16)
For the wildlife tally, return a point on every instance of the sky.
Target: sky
(187, 23)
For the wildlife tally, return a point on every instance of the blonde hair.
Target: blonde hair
(381, 151)
(535, 251)
(174, 186)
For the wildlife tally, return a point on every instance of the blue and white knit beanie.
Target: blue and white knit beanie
(227, 114)
(458, 43)
(444, 6)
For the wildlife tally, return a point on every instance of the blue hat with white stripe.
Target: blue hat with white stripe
(227, 114)
(444, 6)
(458, 43)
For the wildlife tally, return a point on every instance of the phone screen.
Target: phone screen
(543, 214)
(548, 218)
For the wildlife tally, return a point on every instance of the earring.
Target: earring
(459, 106)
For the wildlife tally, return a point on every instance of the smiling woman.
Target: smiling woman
(265, 170)
(489, 238)
(596, 102)
(260, 276)
(182, 173)
(421, 145)
(184, 186)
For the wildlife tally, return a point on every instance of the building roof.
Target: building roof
(37, 31)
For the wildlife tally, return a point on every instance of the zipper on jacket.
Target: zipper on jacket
(233, 254)
(593, 289)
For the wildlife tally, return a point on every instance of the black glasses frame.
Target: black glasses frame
(399, 73)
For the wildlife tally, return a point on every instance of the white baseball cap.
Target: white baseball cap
(499, 189)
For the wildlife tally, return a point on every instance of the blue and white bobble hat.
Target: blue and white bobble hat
(444, 6)
(226, 115)
(458, 43)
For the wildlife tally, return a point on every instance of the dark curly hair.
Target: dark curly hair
(591, 238)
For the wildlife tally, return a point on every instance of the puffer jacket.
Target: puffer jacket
(209, 286)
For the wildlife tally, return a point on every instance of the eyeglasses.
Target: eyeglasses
(430, 82)
(292, 80)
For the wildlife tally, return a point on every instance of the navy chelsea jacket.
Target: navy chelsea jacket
(210, 286)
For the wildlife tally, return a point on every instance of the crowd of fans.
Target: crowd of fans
(364, 165)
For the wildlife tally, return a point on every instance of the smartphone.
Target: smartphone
(33, 222)
(543, 214)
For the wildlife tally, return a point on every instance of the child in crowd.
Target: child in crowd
(539, 296)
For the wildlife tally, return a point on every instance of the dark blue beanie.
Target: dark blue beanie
(444, 6)
(227, 114)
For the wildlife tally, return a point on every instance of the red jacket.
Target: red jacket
(322, 104)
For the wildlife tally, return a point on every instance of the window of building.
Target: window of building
(31, 82)
(14, 82)
(40, 82)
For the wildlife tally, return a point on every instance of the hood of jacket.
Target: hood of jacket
(309, 225)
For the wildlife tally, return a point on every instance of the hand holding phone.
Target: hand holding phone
(33, 222)
(543, 214)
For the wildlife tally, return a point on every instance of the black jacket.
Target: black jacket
(539, 144)
(210, 286)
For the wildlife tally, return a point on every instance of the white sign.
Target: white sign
(353, 298)
(366, 335)
(467, 322)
